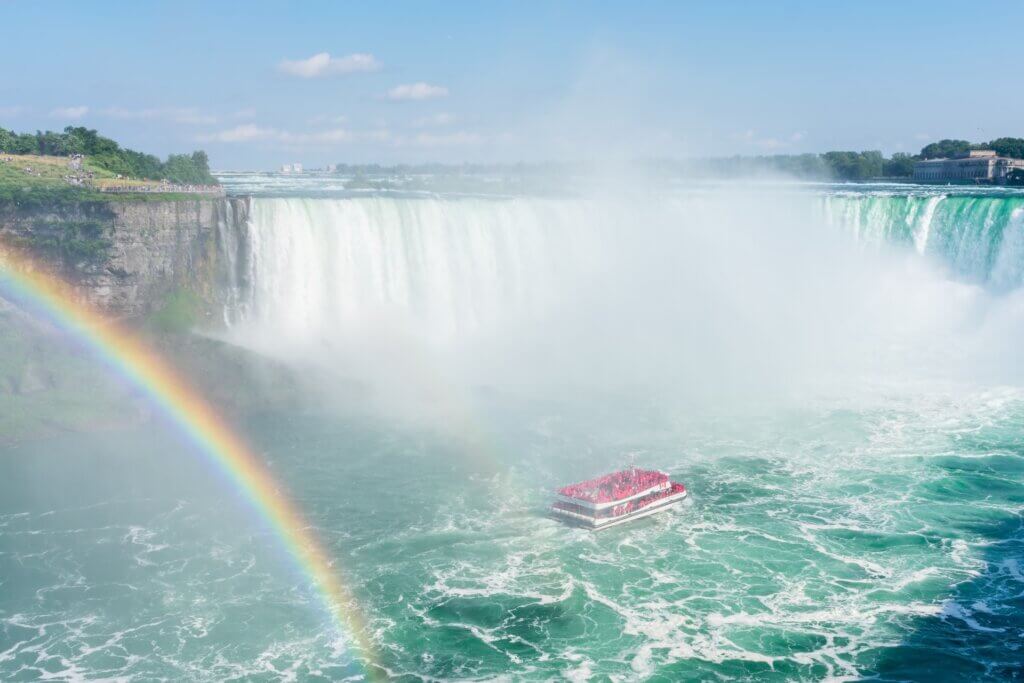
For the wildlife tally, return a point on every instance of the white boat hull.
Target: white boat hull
(597, 524)
(612, 503)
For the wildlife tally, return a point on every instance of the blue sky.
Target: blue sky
(258, 84)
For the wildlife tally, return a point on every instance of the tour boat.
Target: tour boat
(616, 498)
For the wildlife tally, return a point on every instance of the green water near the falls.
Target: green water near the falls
(826, 542)
(851, 515)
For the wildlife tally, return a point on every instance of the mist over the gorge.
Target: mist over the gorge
(831, 369)
(717, 294)
(429, 342)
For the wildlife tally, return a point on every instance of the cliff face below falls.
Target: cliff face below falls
(127, 257)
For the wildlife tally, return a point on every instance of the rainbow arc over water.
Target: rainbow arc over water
(31, 288)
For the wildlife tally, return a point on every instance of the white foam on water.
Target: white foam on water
(953, 610)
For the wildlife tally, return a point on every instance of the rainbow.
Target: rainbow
(126, 355)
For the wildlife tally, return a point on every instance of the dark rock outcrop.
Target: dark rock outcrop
(126, 257)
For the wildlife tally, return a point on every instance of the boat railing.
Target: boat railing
(583, 502)
(615, 487)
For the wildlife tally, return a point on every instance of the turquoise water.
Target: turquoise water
(868, 524)
(979, 235)
(821, 543)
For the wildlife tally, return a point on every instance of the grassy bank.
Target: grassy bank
(33, 180)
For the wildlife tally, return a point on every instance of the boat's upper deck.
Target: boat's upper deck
(622, 511)
(615, 488)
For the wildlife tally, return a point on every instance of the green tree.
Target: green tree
(1008, 147)
(142, 165)
(24, 143)
(107, 154)
(854, 165)
(944, 149)
(899, 166)
(189, 168)
(7, 140)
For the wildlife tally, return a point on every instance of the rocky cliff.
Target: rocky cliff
(127, 257)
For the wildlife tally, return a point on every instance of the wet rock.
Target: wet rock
(140, 251)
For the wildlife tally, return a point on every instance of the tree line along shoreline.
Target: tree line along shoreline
(858, 166)
(105, 154)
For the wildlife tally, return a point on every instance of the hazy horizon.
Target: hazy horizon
(500, 83)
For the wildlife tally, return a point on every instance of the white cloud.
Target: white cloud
(340, 136)
(243, 133)
(768, 144)
(328, 118)
(378, 135)
(70, 112)
(323, 64)
(334, 136)
(186, 115)
(252, 132)
(439, 119)
(247, 113)
(457, 138)
(324, 136)
(417, 91)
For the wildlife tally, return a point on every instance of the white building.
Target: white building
(291, 168)
(975, 166)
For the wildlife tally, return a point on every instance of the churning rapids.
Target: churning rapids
(834, 373)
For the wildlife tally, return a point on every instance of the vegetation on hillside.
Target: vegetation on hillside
(944, 149)
(45, 186)
(178, 313)
(859, 166)
(106, 154)
(835, 165)
(838, 165)
(73, 242)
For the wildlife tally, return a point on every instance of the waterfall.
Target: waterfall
(721, 290)
(441, 269)
(979, 237)
(437, 268)
(232, 248)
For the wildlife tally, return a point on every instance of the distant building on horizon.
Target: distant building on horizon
(982, 166)
(291, 168)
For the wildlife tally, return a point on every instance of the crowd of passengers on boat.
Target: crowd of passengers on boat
(615, 486)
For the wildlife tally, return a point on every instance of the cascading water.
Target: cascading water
(233, 250)
(979, 237)
(696, 279)
(453, 267)
(863, 523)
(442, 269)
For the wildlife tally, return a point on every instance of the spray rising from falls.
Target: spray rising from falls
(694, 289)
